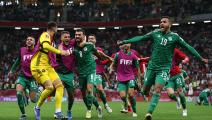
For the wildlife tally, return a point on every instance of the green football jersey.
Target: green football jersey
(184, 73)
(84, 59)
(162, 48)
(206, 92)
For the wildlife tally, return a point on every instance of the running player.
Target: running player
(25, 79)
(124, 62)
(176, 79)
(65, 67)
(86, 68)
(98, 84)
(164, 42)
(44, 73)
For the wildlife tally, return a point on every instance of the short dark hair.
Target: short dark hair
(51, 25)
(80, 30)
(64, 32)
(92, 35)
(170, 20)
(165, 17)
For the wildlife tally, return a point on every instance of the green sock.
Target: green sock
(173, 97)
(133, 103)
(95, 102)
(20, 98)
(124, 99)
(70, 103)
(103, 97)
(154, 102)
(89, 100)
(182, 100)
(85, 101)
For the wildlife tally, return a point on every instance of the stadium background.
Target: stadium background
(110, 20)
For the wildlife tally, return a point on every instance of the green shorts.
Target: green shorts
(123, 86)
(68, 80)
(176, 82)
(27, 83)
(98, 80)
(86, 79)
(153, 77)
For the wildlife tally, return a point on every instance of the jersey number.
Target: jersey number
(163, 41)
(80, 53)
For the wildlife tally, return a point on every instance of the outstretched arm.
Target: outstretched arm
(182, 43)
(136, 39)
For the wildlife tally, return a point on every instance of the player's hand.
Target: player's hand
(10, 74)
(119, 43)
(66, 52)
(139, 84)
(111, 59)
(205, 60)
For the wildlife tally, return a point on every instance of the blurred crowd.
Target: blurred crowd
(96, 11)
(198, 35)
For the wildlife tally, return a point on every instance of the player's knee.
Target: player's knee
(19, 93)
(58, 84)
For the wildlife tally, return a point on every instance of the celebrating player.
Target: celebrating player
(25, 79)
(124, 62)
(98, 84)
(164, 42)
(86, 68)
(176, 79)
(44, 73)
(65, 67)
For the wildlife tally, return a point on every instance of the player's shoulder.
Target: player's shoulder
(89, 44)
(174, 33)
(45, 35)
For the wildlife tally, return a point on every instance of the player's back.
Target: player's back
(41, 57)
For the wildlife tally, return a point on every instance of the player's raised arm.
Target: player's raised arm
(191, 49)
(136, 39)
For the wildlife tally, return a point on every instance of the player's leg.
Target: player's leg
(122, 88)
(179, 84)
(20, 96)
(68, 80)
(59, 89)
(33, 90)
(205, 100)
(42, 77)
(170, 88)
(131, 93)
(160, 80)
(100, 89)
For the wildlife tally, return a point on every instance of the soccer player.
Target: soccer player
(203, 96)
(176, 79)
(25, 79)
(164, 42)
(86, 68)
(44, 73)
(98, 83)
(65, 67)
(124, 62)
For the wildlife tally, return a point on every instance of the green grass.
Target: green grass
(164, 111)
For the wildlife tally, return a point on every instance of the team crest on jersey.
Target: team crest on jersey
(85, 49)
(159, 35)
(170, 38)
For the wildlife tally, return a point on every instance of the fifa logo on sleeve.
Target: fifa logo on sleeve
(125, 62)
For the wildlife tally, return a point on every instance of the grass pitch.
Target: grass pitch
(164, 111)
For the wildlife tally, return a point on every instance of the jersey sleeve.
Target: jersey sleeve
(145, 37)
(16, 64)
(116, 59)
(181, 55)
(135, 61)
(185, 74)
(182, 43)
(45, 42)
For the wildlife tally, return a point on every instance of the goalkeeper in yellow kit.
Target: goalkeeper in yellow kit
(44, 73)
